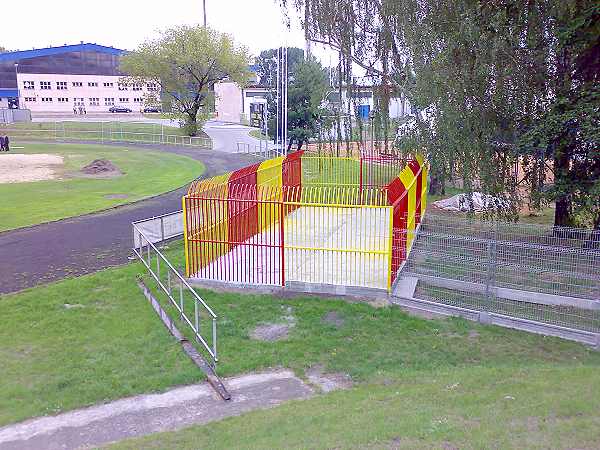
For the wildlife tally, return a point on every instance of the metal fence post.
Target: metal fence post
(181, 298)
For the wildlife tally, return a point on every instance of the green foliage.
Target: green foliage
(306, 92)
(186, 62)
(484, 77)
(305, 96)
(266, 64)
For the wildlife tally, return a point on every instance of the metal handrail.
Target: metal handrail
(195, 324)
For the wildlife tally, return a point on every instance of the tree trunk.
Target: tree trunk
(563, 212)
(191, 125)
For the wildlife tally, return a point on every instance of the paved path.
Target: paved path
(145, 414)
(80, 245)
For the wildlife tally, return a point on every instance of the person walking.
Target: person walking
(6, 144)
(1, 143)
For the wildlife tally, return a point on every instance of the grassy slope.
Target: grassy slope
(465, 408)
(146, 173)
(258, 134)
(56, 358)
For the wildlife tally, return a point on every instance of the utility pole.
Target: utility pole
(204, 9)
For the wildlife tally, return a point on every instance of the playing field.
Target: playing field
(45, 182)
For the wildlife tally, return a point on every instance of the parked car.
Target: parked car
(119, 109)
(151, 109)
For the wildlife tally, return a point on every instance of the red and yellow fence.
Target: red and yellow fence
(305, 218)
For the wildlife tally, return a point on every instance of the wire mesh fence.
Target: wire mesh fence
(543, 274)
(128, 132)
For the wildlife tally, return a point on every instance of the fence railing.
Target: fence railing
(542, 275)
(262, 149)
(160, 228)
(107, 133)
(192, 309)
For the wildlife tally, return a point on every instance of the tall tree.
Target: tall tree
(305, 97)
(486, 77)
(186, 62)
(266, 65)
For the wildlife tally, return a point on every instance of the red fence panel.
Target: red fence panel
(398, 198)
(243, 213)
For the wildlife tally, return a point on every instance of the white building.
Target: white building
(83, 77)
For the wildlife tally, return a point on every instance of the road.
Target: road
(76, 246)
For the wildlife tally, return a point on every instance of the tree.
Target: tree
(305, 97)
(307, 89)
(266, 64)
(186, 62)
(496, 85)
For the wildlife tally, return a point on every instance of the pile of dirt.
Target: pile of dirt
(101, 167)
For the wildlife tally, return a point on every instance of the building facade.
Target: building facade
(83, 78)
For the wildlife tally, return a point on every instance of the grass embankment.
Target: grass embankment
(94, 338)
(258, 134)
(145, 173)
(466, 408)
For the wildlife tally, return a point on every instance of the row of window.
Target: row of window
(93, 101)
(62, 85)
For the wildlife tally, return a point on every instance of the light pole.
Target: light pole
(17, 80)
(204, 9)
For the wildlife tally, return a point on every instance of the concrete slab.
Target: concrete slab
(145, 414)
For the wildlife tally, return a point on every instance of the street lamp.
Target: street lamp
(17, 80)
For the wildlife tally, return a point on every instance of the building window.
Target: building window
(28, 84)
(78, 101)
(138, 100)
(152, 87)
(77, 84)
(45, 85)
(137, 87)
(93, 84)
(61, 85)
(30, 99)
(63, 100)
(47, 99)
(122, 86)
(123, 100)
(109, 101)
(94, 101)
(108, 84)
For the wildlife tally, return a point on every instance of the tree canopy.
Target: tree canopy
(186, 62)
(506, 91)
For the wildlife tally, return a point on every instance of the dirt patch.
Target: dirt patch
(20, 168)
(271, 332)
(328, 381)
(101, 168)
(116, 196)
(333, 318)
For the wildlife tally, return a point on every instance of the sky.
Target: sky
(124, 24)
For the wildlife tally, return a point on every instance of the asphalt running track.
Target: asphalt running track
(85, 244)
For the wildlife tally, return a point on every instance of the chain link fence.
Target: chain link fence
(544, 275)
(127, 132)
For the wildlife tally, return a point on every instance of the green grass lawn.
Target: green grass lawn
(258, 134)
(535, 407)
(145, 173)
(94, 338)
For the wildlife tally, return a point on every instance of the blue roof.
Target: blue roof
(8, 92)
(25, 54)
